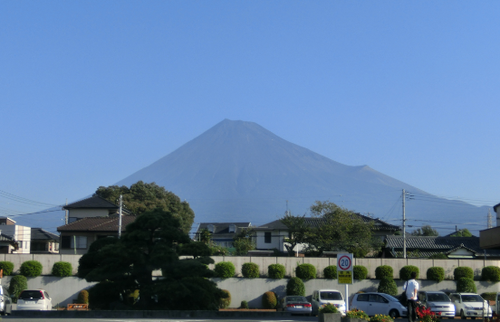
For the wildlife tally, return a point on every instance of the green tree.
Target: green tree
(243, 242)
(462, 233)
(144, 197)
(297, 231)
(153, 242)
(426, 230)
(341, 230)
(205, 236)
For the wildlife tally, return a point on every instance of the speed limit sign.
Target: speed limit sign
(344, 268)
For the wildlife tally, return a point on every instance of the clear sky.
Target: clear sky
(92, 91)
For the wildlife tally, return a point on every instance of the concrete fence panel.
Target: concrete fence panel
(263, 263)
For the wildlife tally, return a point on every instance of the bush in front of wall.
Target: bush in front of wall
(330, 272)
(17, 284)
(466, 285)
(62, 269)
(8, 267)
(305, 271)
(269, 300)
(31, 268)
(463, 271)
(435, 274)
(490, 273)
(244, 305)
(295, 286)
(384, 271)
(489, 296)
(276, 271)
(83, 297)
(250, 270)
(224, 269)
(359, 272)
(225, 301)
(405, 272)
(387, 286)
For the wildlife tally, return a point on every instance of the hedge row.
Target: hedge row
(34, 268)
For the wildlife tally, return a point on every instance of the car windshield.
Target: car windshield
(296, 299)
(391, 298)
(472, 298)
(331, 296)
(31, 295)
(437, 297)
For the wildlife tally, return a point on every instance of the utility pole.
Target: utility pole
(120, 218)
(66, 213)
(404, 224)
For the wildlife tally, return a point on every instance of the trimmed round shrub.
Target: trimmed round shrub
(62, 269)
(466, 285)
(276, 271)
(435, 274)
(17, 284)
(305, 271)
(269, 300)
(103, 295)
(83, 297)
(225, 301)
(405, 272)
(463, 271)
(489, 296)
(295, 286)
(387, 286)
(359, 272)
(250, 270)
(244, 305)
(224, 269)
(384, 271)
(490, 273)
(31, 268)
(8, 268)
(330, 272)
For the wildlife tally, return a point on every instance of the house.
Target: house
(272, 235)
(88, 220)
(426, 246)
(18, 237)
(44, 242)
(222, 233)
(490, 238)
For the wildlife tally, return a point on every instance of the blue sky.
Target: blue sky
(92, 91)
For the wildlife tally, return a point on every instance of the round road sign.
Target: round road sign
(344, 263)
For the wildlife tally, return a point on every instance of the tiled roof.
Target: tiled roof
(107, 224)
(40, 234)
(94, 202)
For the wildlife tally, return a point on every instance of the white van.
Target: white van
(324, 297)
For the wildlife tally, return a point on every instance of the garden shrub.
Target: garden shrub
(463, 271)
(387, 286)
(102, 295)
(225, 301)
(438, 256)
(276, 271)
(17, 284)
(466, 285)
(31, 268)
(384, 271)
(329, 308)
(359, 272)
(269, 300)
(224, 269)
(62, 269)
(295, 286)
(305, 271)
(330, 272)
(405, 272)
(8, 268)
(250, 270)
(490, 273)
(490, 296)
(83, 297)
(435, 274)
(244, 305)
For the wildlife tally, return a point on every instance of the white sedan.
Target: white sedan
(378, 303)
(470, 305)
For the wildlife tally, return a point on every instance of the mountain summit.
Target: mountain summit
(239, 171)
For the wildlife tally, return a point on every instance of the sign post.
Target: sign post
(344, 274)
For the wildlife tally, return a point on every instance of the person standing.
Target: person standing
(411, 288)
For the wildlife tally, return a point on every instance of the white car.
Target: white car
(378, 303)
(470, 305)
(35, 300)
(438, 302)
(324, 297)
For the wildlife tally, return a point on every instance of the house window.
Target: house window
(69, 242)
(20, 244)
(267, 237)
(38, 246)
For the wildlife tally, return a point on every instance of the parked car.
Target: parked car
(5, 302)
(323, 297)
(34, 300)
(438, 302)
(295, 304)
(378, 303)
(470, 305)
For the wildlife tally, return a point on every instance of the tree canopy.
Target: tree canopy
(426, 230)
(153, 242)
(143, 197)
(462, 233)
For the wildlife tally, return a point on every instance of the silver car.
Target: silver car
(438, 302)
(378, 303)
(295, 304)
(470, 305)
(34, 300)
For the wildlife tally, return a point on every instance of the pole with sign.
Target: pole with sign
(344, 274)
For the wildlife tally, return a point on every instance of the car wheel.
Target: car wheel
(393, 314)
(462, 315)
